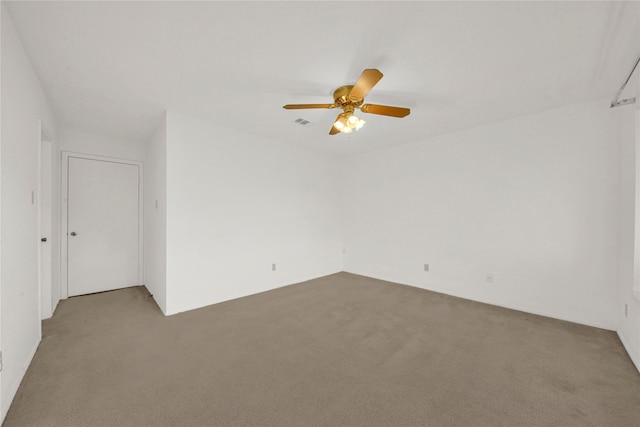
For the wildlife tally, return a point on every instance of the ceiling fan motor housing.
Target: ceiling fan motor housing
(342, 98)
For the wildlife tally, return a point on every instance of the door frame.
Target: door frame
(64, 195)
(45, 221)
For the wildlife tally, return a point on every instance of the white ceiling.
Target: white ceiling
(115, 67)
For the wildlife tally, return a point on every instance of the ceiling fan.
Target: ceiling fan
(350, 98)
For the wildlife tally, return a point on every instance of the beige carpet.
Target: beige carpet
(342, 350)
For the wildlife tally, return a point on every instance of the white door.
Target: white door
(102, 226)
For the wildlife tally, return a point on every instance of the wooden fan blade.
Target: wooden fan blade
(385, 110)
(304, 106)
(368, 79)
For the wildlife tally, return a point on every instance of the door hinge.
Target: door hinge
(0, 361)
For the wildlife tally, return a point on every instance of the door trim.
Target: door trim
(45, 221)
(64, 195)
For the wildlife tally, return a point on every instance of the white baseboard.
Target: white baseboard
(635, 358)
(13, 388)
(510, 306)
(53, 309)
(273, 286)
(542, 313)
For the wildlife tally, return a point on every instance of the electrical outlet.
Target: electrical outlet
(489, 278)
(273, 267)
(426, 267)
(626, 310)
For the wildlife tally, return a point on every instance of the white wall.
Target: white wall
(629, 324)
(155, 217)
(23, 106)
(79, 141)
(237, 203)
(532, 200)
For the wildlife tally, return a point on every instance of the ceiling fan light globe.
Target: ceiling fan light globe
(353, 120)
(360, 124)
(346, 129)
(338, 125)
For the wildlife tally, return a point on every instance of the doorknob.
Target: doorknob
(73, 233)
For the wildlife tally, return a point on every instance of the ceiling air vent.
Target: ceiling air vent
(303, 122)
